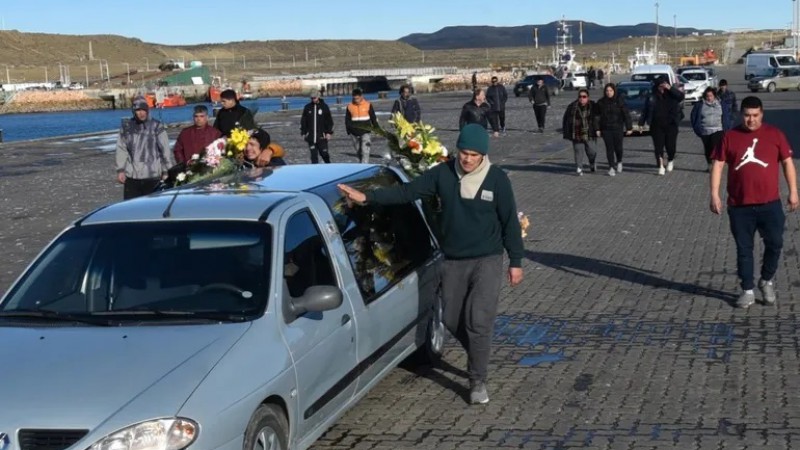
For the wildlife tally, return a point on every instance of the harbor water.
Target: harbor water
(20, 127)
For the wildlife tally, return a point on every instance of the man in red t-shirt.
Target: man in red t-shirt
(753, 152)
(193, 139)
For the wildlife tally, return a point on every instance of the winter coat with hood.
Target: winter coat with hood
(568, 122)
(670, 103)
(472, 113)
(409, 108)
(708, 117)
(614, 115)
(316, 121)
(143, 149)
(227, 119)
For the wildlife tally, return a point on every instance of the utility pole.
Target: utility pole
(423, 57)
(269, 59)
(147, 64)
(655, 50)
(215, 62)
(91, 54)
(8, 75)
(86, 71)
(294, 61)
(244, 62)
(306, 54)
(128, 69)
(675, 36)
(795, 30)
(536, 37)
(581, 34)
(46, 78)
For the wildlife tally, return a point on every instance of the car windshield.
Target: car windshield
(179, 269)
(694, 76)
(633, 92)
(646, 76)
(786, 60)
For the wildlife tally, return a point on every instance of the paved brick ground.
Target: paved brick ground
(622, 335)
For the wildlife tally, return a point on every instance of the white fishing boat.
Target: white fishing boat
(564, 57)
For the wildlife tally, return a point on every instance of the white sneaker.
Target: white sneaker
(767, 291)
(579, 171)
(611, 172)
(619, 167)
(662, 170)
(670, 166)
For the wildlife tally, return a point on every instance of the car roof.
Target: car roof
(246, 195)
(634, 83)
(646, 68)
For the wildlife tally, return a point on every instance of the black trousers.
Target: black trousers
(540, 111)
(139, 188)
(319, 149)
(710, 142)
(497, 120)
(664, 137)
(613, 140)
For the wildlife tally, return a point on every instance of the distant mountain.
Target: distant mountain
(486, 36)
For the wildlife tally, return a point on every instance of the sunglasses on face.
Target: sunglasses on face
(583, 96)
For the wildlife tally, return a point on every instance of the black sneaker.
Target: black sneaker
(593, 166)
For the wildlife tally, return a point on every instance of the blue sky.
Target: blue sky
(198, 21)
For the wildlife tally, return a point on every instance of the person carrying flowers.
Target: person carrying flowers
(479, 221)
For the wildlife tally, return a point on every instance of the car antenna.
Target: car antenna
(168, 210)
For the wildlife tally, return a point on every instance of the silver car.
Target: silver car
(783, 80)
(243, 313)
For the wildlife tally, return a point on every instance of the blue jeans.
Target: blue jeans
(768, 219)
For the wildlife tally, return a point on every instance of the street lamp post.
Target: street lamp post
(655, 49)
(795, 19)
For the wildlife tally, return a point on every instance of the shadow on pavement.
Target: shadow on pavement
(430, 372)
(585, 267)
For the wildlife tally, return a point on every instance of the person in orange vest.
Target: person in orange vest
(358, 120)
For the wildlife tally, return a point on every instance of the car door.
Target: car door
(322, 344)
(392, 254)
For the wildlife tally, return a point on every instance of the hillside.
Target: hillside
(457, 37)
(28, 55)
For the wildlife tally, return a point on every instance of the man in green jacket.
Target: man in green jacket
(479, 221)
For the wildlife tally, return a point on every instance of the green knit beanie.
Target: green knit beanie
(473, 137)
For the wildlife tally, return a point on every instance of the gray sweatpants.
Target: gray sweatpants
(470, 291)
(362, 145)
(589, 147)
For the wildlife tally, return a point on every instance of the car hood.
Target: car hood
(82, 377)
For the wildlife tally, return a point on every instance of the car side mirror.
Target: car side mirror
(316, 299)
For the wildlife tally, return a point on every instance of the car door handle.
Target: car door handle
(345, 319)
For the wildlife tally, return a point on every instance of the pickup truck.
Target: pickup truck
(249, 311)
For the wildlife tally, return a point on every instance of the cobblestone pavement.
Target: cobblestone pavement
(621, 336)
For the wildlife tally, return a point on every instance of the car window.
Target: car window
(306, 260)
(785, 61)
(218, 267)
(694, 76)
(384, 243)
(646, 76)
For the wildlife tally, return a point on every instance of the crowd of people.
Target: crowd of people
(478, 207)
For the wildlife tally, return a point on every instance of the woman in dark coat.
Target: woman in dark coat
(615, 123)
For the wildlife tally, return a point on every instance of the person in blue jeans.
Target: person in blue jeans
(754, 151)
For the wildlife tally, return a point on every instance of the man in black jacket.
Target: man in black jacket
(316, 126)
(580, 125)
(407, 105)
(233, 114)
(497, 96)
(539, 96)
(475, 111)
(663, 111)
(479, 221)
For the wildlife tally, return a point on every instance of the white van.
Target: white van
(767, 64)
(650, 72)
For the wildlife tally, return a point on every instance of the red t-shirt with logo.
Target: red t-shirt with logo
(754, 162)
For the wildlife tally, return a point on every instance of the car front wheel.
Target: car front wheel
(771, 87)
(268, 429)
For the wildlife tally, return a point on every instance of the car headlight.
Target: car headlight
(162, 434)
